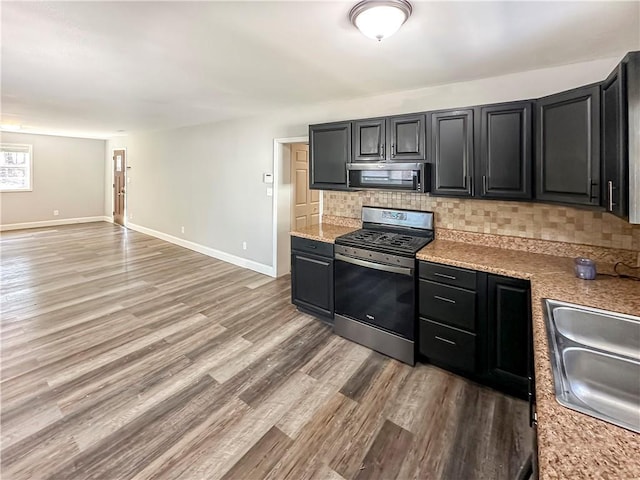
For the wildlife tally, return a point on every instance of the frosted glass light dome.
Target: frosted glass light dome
(380, 19)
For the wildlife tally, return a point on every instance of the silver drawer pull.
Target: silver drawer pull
(444, 299)
(445, 340)
(450, 277)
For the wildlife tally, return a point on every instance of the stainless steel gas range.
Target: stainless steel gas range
(375, 281)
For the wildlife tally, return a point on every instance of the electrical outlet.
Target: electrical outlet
(56, 213)
(182, 229)
(244, 245)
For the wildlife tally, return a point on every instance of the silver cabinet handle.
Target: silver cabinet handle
(611, 187)
(312, 260)
(382, 150)
(484, 184)
(445, 340)
(450, 277)
(444, 299)
(393, 150)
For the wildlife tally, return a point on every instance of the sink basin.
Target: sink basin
(598, 329)
(595, 357)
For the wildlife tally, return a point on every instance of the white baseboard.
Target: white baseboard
(211, 252)
(52, 223)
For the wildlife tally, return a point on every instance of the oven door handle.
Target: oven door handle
(376, 266)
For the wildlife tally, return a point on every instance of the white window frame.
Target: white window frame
(20, 146)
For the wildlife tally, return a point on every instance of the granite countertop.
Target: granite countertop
(570, 444)
(325, 232)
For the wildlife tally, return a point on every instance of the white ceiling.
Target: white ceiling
(95, 68)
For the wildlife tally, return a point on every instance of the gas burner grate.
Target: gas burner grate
(386, 241)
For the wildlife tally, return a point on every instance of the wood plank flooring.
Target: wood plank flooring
(124, 356)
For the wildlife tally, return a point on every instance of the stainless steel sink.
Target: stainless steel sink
(595, 357)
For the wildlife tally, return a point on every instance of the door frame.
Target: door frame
(282, 204)
(126, 185)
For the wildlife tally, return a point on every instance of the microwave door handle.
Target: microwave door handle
(376, 266)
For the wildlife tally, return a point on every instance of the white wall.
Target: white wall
(209, 177)
(68, 176)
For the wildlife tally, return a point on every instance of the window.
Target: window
(16, 165)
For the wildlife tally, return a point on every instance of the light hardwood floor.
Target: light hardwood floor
(124, 356)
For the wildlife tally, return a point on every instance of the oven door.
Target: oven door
(376, 294)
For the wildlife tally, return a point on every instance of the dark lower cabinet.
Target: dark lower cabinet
(329, 153)
(447, 345)
(452, 143)
(477, 324)
(568, 147)
(508, 333)
(450, 306)
(505, 160)
(312, 276)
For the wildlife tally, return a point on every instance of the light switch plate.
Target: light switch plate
(269, 192)
(267, 178)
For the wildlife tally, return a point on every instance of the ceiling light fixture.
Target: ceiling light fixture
(380, 19)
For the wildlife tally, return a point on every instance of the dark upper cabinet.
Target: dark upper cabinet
(620, 99)
(508, 333)
(369, 140)
(614, 159)
(399, 138)
(568, 147)
(405, 137)
(451, 146)
(505, 158)
(330, 151)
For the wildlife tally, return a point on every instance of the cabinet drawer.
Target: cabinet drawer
(451, 305)
(448, 345)
(458, 277)
(300, 244)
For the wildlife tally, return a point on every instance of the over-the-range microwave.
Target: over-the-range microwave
(412, 177)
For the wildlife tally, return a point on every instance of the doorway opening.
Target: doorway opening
(294, 205)
(119, 182)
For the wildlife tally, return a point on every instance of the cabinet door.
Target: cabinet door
(505, 151)
(369, 139)
(508, 330)
(568, 147)
(330, 151)
(615, 158)
(312, 283)
(451, 136)
(406, 138)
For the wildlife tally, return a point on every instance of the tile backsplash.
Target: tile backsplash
(517, 219)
